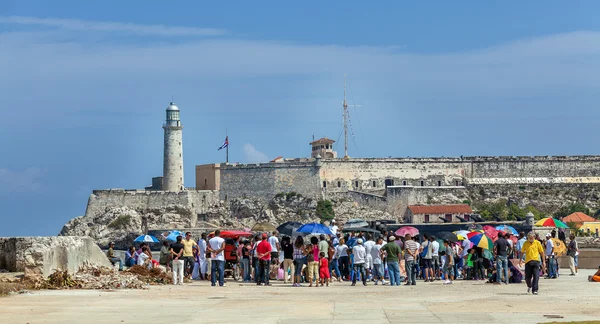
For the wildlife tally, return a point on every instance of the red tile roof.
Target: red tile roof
(440, 209)
(578, 217)
(323, 140)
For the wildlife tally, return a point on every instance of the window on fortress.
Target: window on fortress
(457, 183)
(356, 184)
(324, 184)
(339, 184)
(426, 219)
(422, 183)
(374, 184)
(439, 183)
(404, 183)
(467, 217)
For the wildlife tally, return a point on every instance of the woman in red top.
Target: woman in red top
(323, 270)
(313, 261)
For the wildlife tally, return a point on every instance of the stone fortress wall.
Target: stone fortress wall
(318, 178)
(198, 201)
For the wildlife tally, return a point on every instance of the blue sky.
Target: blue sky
(84, 85)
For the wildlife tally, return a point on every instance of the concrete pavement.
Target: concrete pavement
(572, 298)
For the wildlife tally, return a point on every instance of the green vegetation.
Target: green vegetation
(325, 210)
(288, 195)
(120, 222)
(506, 210)
(467, 202)
(597, 214)
(570, 209)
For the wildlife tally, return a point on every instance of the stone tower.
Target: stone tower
(173, 154)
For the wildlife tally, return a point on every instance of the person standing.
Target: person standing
(312, 259)
(342, 253)
(360, 256)
(264, 250)
(449, 264)
(550, 257)
(255, 263)
(427, 250)
(299, 260)
(275, 247)
(165, 253)
(501, 248)
(111, 256)
(202, 256)
(393, 254)
(288, 257)
(188, 254)
(178, 263)
(246, 249)
(368, 247)
(378, 271)
(435, 258)
(216, 246)
(572, 249)
(533, 252)
(411, 250)
(333, 227)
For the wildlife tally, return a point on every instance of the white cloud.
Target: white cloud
(82, 25)
(24, 181)
(252, 155)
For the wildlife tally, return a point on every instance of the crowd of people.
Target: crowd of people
(319, 260)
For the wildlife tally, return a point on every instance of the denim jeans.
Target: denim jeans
(378, 272)
(117, 260)
(333, 265)
(298, 264)
(264, 270)
(551, 267)
(501, 267)
(394, 272)
(359, 268)
(217, 265)
(411, 273)
(246, 267)
(257, 274)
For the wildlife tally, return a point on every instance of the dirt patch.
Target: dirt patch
(154, 276)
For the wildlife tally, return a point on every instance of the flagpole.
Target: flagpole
(227, 148)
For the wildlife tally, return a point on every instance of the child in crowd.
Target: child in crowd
(323, 269)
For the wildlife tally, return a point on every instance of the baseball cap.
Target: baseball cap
(548, 234)
(265, 235)
(392, 238)
(359, 241)
(111, 243)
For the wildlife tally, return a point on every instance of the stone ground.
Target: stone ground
(571, 298)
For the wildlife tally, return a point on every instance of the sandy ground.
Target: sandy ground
(572, 298)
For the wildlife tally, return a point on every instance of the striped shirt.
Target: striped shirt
(411, 246)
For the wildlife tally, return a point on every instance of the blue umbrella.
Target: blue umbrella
(507, 229)
(173, 235)
(315, 228)
(146, 238)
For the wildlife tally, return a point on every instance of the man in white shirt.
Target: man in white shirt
(435, 257)
(550, 256)
(378, 270)
(368, 247)
(202, 256)
(333, 227)
(275, 247)
(360, 256)
(216, 246)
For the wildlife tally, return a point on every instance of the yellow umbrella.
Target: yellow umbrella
(559, 247)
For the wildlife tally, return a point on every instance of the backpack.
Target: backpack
(423, 254)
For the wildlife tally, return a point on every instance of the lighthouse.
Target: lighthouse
(173, 151)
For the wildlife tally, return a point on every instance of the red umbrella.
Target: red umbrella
(402, 231)
(491, 232)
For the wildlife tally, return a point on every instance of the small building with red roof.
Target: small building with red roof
(419, 214)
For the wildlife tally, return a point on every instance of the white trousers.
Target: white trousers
(178, 270)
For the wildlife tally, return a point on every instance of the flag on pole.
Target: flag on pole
(225, 144)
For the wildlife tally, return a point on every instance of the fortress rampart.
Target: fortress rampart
(318, 178)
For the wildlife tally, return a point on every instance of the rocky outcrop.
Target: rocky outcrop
(44, 255)
(123, 224)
